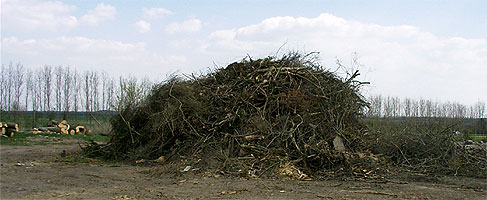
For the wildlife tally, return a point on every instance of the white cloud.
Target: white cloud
(400, 60)
(143, 26)
(224, 34)
(100, 14)
(29, 15)
(115, 57)
(188, 26)
(155, 13)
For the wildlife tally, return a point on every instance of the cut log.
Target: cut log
(43, 129)
(2, 129)
(64, 131)
(11, 125)
(80, 130)
(72, 128)
(58, 124)
(35, 131)
(62, 125)
(52, 123)
(67, 126)
(9, 131)
(9, 128)
(50, 129)
(63, 122)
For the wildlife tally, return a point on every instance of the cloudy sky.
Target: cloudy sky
(415, 48)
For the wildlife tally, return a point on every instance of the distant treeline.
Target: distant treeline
(462, 125)
(387, 107)
(64, 89)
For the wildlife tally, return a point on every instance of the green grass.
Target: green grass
(17, 139)
(476, 138)
(21, 138)
(97, 138)
(25, 119)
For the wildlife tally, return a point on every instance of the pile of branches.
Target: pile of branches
(252, 116)
(427, 145)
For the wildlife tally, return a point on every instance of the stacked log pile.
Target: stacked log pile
(8, 129)
(62, 127)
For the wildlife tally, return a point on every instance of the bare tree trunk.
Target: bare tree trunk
(34, 119)
(58, 72)
(407, 107)
(94, 92)
(18, 83)
(104, 85)
(480, 109)
(28, 89)
(76, 91)
(67, 91)
(36, 95)
(3, 90)
(47, 87)
(9, 86)
(86, 89)
(9, 89)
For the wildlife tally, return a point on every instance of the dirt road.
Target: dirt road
(41, 172)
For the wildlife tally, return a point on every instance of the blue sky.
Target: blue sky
(430, 49)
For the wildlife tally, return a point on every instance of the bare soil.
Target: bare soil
(41, 172)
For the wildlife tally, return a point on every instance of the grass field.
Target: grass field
(22, 138)
(478, 138)
(473, 137)
(25, 120)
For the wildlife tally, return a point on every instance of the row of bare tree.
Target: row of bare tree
(64, 89)
(387, 106)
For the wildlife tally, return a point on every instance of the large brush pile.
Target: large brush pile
(252, 116)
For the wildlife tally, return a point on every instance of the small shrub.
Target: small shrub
(425, 145)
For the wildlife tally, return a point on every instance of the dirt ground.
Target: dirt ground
(41, 172)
